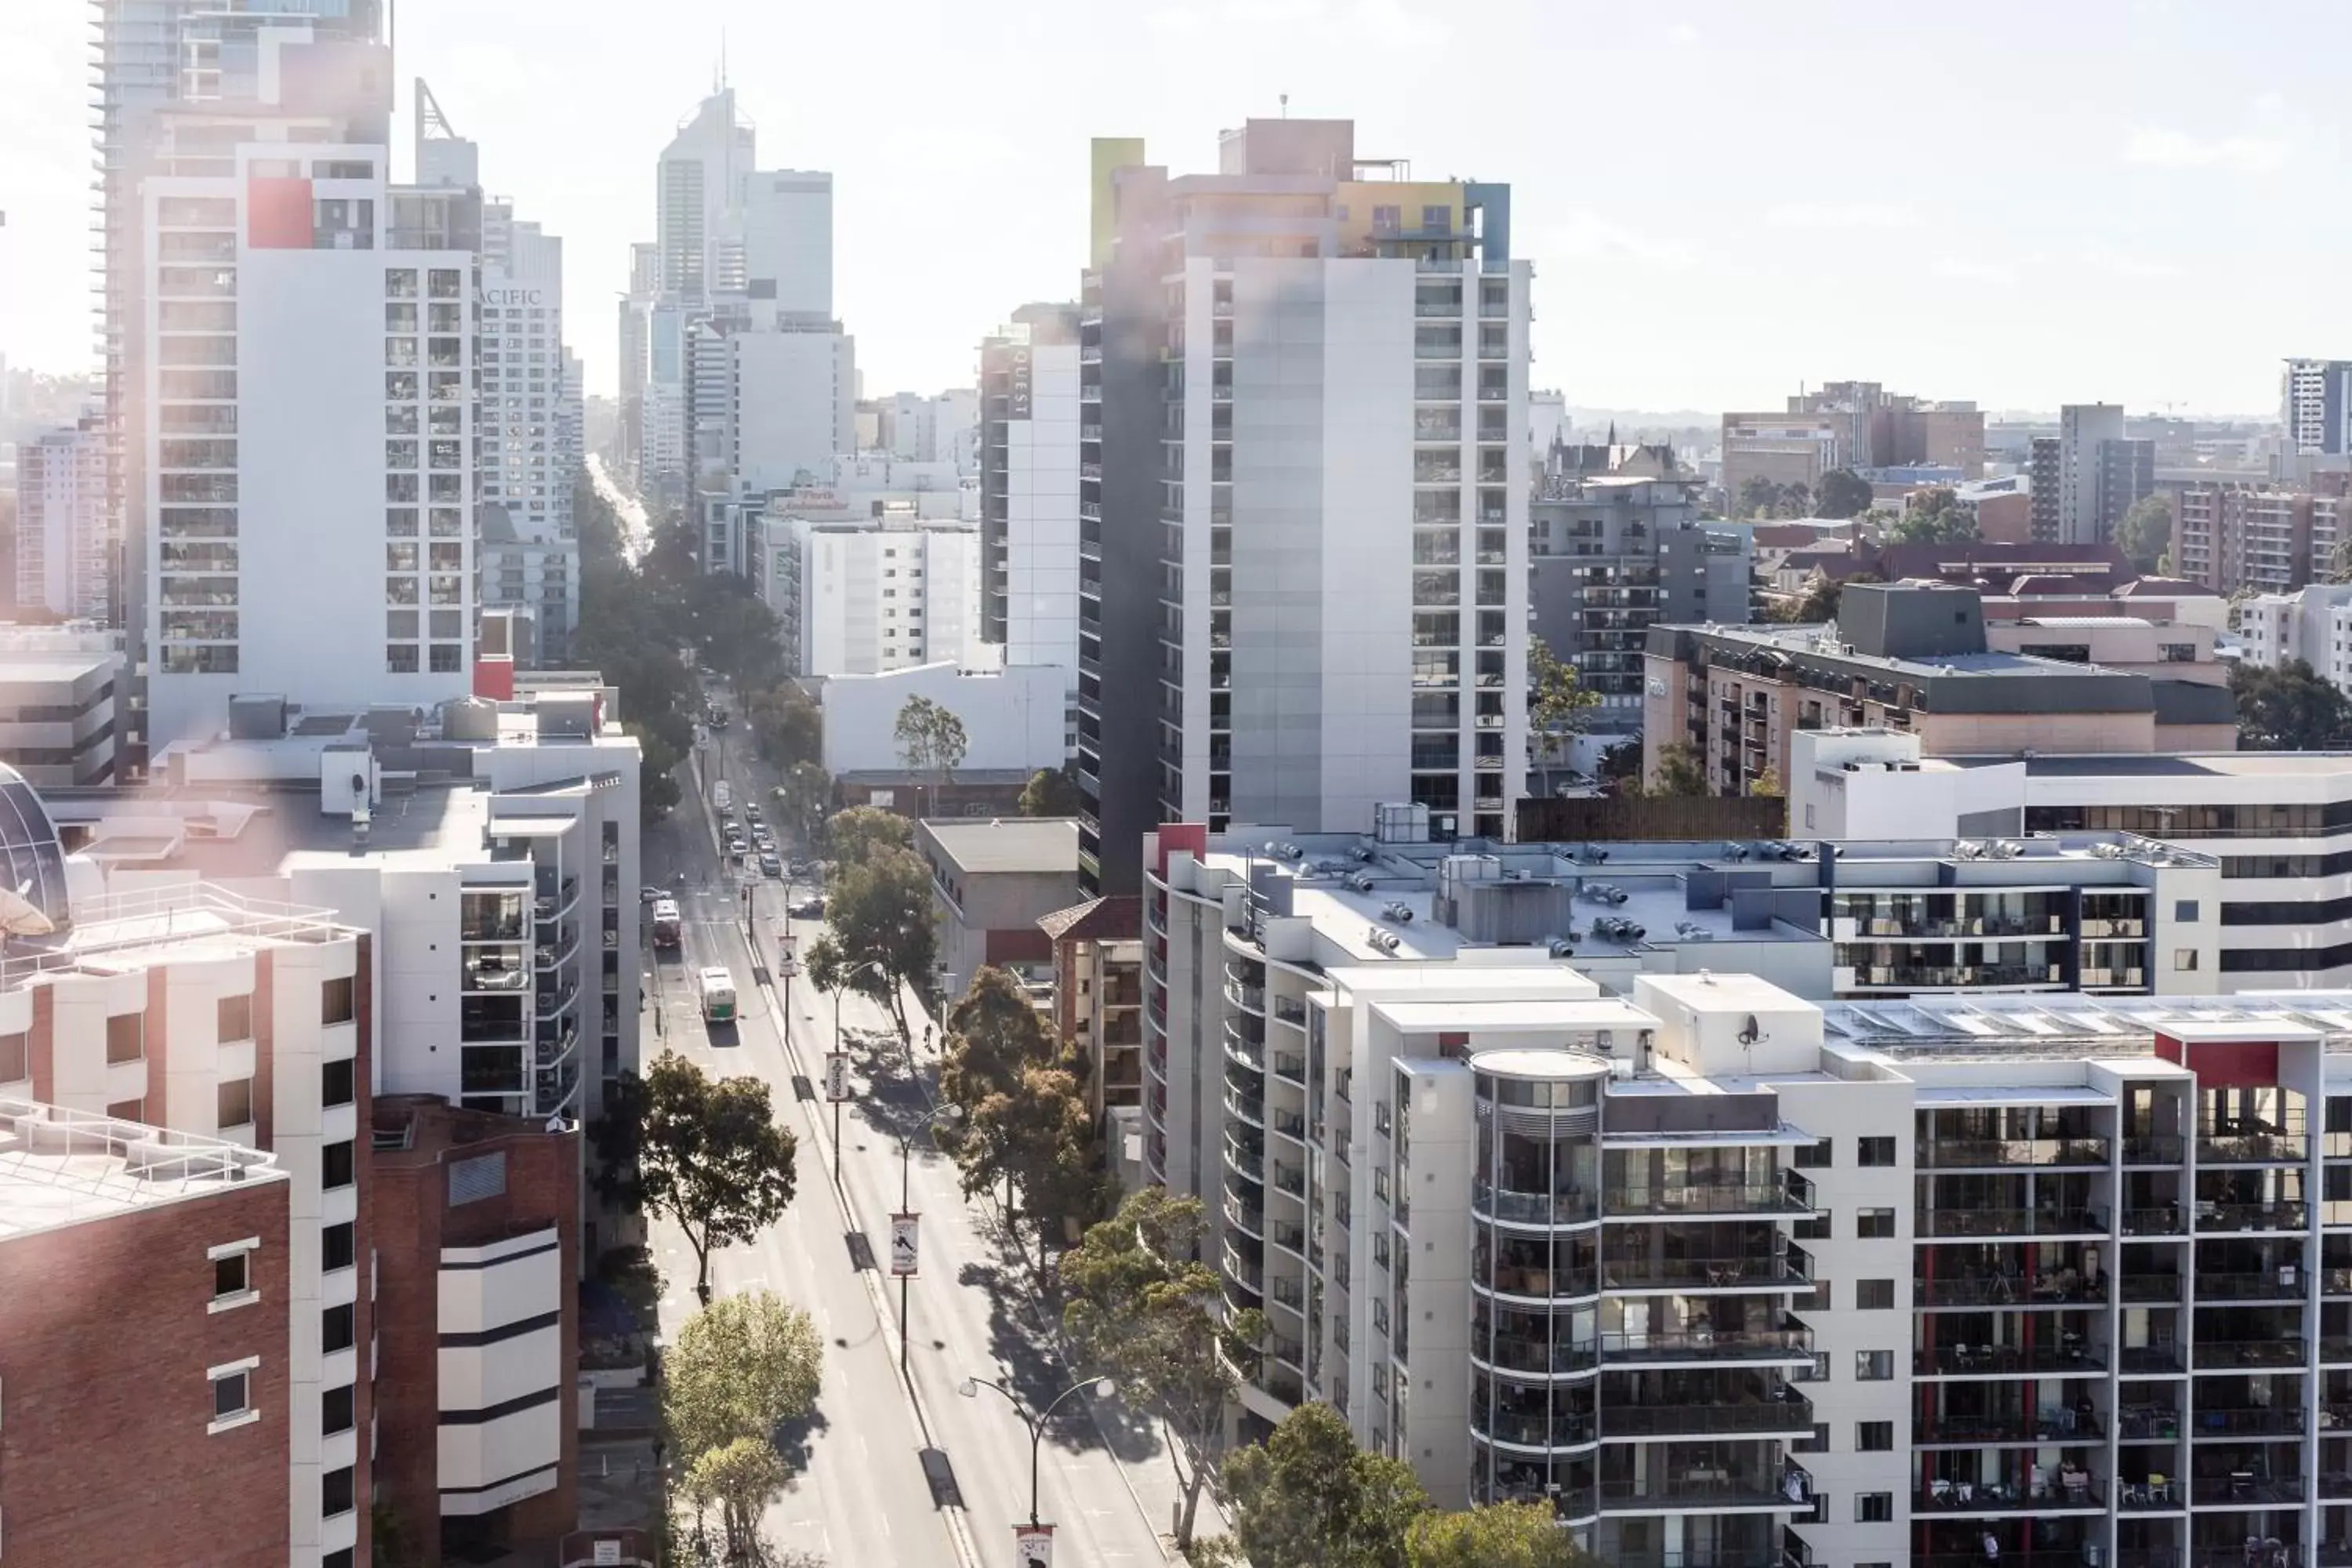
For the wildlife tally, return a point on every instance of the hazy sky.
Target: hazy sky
(2016, 201)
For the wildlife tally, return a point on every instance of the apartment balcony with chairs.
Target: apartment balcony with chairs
(1652, 1406)
(1995, 1483)
(2072, 1357)
(1685, 1477)
(1665, 1259)
(1984, 1416)
(2011, 1276)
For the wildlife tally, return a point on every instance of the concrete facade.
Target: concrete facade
(992, 883)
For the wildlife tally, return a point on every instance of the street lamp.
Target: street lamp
(970, 1388)
(950, 1113)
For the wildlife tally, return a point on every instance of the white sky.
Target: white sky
(2023, 201)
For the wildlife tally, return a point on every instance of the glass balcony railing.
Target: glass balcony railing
(1570, 1207)
(1790, 1411)
(1704, 1198)
(1993, 1153)
(1991, 1222)
(1709, 1344)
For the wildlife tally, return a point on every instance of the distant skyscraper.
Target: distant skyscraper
(2098, 475)
(2316, 400)
(1029, 486)
(65, 560)
(696, 183)
(1303, 498)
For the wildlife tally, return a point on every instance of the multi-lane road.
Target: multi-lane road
(887, 1470)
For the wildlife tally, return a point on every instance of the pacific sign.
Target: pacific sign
(525, 296)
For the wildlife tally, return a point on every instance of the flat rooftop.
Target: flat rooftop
(60, 1167)
(2074, 1025)
(1005, 845)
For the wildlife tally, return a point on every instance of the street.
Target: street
(881, 1477)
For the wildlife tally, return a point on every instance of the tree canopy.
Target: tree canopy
(930, 738)
(2292, 707)
(1026, 1120)
(712, 1156)
(1500, 1535)
(742, 1366)
(855, 836)
(1843, 493)
(1680, 770)
(1934, 516)
(878, 912)
(2143, 534)
(1309, 1498)
(1140, 1308)
(1558, 702)
(1052, 792)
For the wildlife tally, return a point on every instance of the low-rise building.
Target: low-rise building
(1015, 719)
(1910, 655)
(1097, 956)
(2312, 624)
(59, 691)
(146, 1343)
(991, 882)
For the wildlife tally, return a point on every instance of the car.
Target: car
(803, 867)
(751, 812)
(808, 909)
(738, 849)
(771, 866)
(650, 894)
(765, 843)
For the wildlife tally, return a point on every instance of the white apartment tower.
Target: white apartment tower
(64, 546)
(1029, 425)
(1307, 375)
(149, 57)
(865, 598)
(310, 360)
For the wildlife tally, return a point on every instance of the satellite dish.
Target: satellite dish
(359, 781)
(20, 916)
(1748, 1035)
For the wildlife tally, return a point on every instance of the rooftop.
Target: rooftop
(60, 1167)
(1007, 844)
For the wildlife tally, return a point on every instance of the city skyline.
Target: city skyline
(1922, 248)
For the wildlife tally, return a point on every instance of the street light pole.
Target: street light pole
(950, 1113)
(970, 1388)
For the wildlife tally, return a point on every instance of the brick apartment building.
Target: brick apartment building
(144, 1345)
(477, 1226)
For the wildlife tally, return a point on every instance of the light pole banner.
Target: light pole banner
(1032, 1545)
(905, 1242)
(836, 1075)
(786, 964)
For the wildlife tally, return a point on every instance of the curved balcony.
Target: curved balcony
(557, 999)
(1533, 1288)
(1243, 1160)
(1791, 1413)
(1248, 998)
(1245, 1217)
(551, 955)
(1249, 1107)
(1704, 1490)
(1708, 1347)
(1249, 1055)
(1533, 1359)
(1240, 1270)
(1535, 1434)
(1756, 1272)
(1533, 1210)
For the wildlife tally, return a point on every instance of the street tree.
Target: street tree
(1933, 516)
(930, 740)
(1309, 1498)
(1843, 493)
(855, 836)
(1039, 1139)
(1757, 496)
(1795, 501)
(879, 937)
(1498, 1535)
(1558, 702)
(1050, 791)
(742, 1366)
(2292, 708)
(1143, 1309)
(994, 1036)
(788, 728)
(2143, 534)
(712, 1156)
(1680, 770)
(1767, 783)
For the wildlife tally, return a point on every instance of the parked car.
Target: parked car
(808, 909)
(771, 866)
(651, 894)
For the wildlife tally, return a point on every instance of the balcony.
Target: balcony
(1761, 1271)
(1699, 1489)
(1533, 1357)
(2220, 1217)
(2257, 1285)
(1705, 1344)
(1571, 1207)
(2153, 1150)
(2064, 1288)
(2164, 1221)
(2011, 1222)
(1699, 1199)
(2246, 1489)
(2010, 1153)
(2006, 1431)
(2224, 1356)
(2068, 1491)
(2151, 1290)
(2259, 1147)
(2248, 1421)
(1791, 1412)
(2007, 1360)
(1532, 1431)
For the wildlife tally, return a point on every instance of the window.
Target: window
(1817, 1301)
(2184, 959)
(1872, 1366)
(232, 1275)
(1874, 1295)
(126, 1038)
(232, 1395)
(235, 1102)
(335, 1082)
(337, 1247)
(336, 1412)
(1816, 1156)
(1815, 1227)
(15, 1057)
(1874, 1225)
(237, 1018)
(2185, 910)
(335, 1492)
(335, 1002)
(1818, 1371)
(1873, 1150)
(335, 1165)
(1874, 1437)
(1818, 1443)
(338, 1329)
(1874, 1507)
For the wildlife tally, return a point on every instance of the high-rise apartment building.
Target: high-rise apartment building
(1029, 472)
(151, 56)
(2315, 407)
(864, 598)
(1303, 505)
(311, 349)
(2230, 536)
(65, 546)
(2099, 475)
